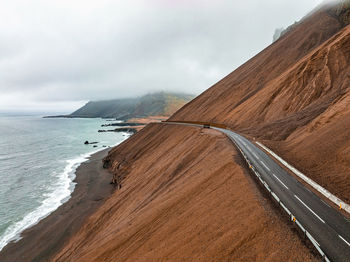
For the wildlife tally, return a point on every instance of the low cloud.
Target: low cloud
(58, 54)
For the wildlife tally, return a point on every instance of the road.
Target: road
(328, 226)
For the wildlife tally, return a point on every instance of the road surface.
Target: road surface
(329, 227)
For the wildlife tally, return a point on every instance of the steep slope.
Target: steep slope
(154, 104)
(239, 86)
(183, 194)
(294, 95)
(183, 198)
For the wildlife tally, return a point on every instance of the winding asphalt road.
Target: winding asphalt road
(328, 227)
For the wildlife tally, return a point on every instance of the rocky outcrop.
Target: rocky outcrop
(341, 11)
(277, 34)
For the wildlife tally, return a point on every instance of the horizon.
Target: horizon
(54, 112)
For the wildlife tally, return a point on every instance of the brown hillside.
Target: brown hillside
(220, 100)
(294, 95)
(184, 198)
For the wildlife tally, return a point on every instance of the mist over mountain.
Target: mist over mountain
(155, 104)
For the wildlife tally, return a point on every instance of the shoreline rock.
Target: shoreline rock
(89, 143)
(127, 130)
(124, 124)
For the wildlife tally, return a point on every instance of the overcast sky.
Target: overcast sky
(57, 54)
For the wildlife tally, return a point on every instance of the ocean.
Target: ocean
(38, 159)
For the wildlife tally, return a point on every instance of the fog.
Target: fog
(56, 55)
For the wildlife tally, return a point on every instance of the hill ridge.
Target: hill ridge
(159, 103)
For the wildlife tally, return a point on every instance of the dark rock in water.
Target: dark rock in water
(124, 124)
(95, 146)
(89, 143)
(126, 130)
(104, 146)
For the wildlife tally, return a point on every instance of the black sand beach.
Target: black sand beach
(43, 240)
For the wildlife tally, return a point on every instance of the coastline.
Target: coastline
(41, 241)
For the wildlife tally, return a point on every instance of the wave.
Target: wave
(61, 192)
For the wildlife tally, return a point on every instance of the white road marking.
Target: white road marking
(280, 181)
(256, 156)
(265, 165)
(320, 189)
(325, 203)
(317, 243)
(344, 240)
(309, 208)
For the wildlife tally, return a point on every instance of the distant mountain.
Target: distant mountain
(161, 103)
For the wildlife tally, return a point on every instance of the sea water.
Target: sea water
(38, 159)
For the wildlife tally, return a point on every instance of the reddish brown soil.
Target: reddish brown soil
(147, 120)
(295, 97)
(183, 198)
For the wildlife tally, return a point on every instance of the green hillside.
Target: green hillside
(154, 104)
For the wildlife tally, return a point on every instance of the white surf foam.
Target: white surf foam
(61, 192)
